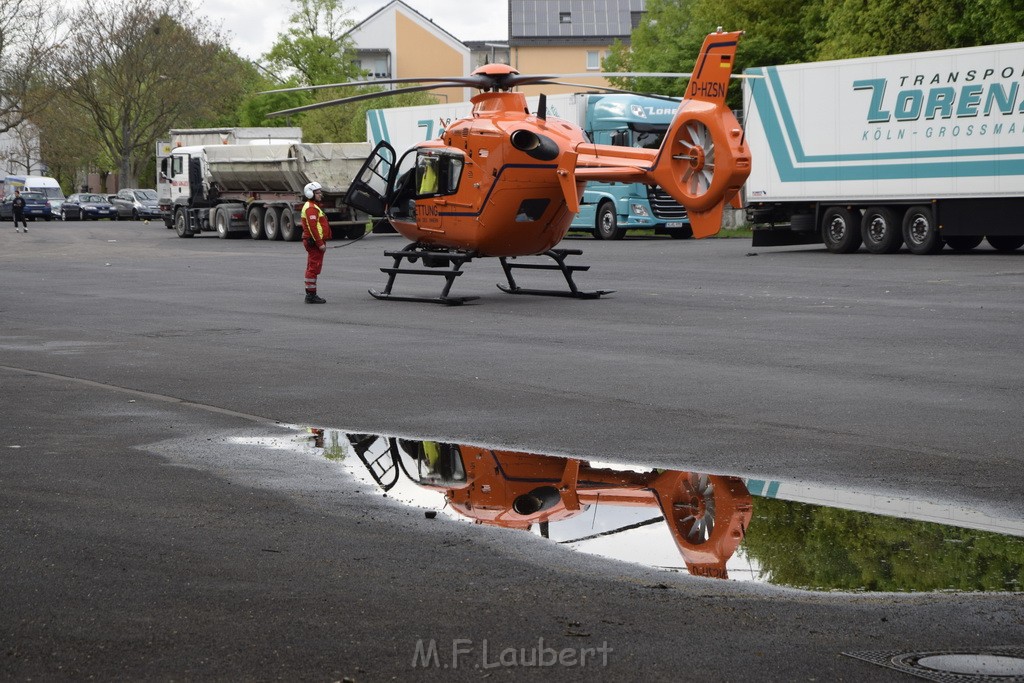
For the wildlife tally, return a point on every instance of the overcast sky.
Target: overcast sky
(253, 25)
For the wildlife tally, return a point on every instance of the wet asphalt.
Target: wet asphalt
(144, 536)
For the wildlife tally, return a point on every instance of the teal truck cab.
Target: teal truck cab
(609, 210)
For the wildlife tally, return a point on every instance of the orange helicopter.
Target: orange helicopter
(707, 515)
(505, 183)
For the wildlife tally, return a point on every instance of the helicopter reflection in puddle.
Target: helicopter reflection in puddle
(707, 515)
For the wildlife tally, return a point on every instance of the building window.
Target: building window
(565, 17)
(593, 60)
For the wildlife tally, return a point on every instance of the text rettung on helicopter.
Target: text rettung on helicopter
(505, 183)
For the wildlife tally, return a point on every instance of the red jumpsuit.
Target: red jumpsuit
(315, 231)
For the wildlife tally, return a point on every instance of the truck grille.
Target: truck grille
(664, 206)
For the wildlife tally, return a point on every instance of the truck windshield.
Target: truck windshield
(648, 136)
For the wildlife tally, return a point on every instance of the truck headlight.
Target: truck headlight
(638, 210)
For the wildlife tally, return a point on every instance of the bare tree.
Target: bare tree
(29, 31)
(22, 149)
(138, 68)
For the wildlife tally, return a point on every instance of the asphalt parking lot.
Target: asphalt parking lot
(148, 533)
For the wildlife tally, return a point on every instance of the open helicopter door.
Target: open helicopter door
(369, 190)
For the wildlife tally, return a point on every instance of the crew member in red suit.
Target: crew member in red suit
(315, 233)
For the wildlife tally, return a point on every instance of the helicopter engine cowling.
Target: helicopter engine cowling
(538, 146)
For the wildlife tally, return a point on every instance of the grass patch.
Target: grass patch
(730, 233)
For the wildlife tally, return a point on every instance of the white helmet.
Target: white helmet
(312, 187)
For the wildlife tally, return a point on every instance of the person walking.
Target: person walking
(315, 233)
(18, 209)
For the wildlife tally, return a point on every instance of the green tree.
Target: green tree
(314, 50)
(810, 546)
(158, 66)
(672, 32)
(68, 141)
(782, 32)
(856, 28)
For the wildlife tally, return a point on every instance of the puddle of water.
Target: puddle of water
(711, 525)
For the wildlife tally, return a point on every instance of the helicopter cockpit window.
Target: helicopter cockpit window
(531, 210)
(400, 202)
(438, 174)
(426, 175)
(431, 462)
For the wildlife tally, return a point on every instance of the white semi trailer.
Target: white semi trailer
(923, 149)
(255, 188)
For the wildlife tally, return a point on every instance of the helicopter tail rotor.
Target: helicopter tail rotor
(704, 160)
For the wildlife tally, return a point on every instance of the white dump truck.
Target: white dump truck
(918, 149)
(255, 186)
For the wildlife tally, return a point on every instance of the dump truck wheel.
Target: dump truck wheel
(255, 220)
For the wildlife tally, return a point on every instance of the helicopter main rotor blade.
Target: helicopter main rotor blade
(461, 81)
(359, 98)
(668, 98)
(525, 80)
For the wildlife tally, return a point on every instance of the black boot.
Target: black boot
(312, 298)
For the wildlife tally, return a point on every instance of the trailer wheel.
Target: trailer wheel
(840, 230)
(963, 243)
(288, 226)
(181, 224)
(1005, 242)
(255, 219)
(920, 232)
(606, 226)
(880, 231)
(272, 223)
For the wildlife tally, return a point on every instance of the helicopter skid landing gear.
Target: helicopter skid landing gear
(559, 256)
(440, 262)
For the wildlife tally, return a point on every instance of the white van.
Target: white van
(47, 186)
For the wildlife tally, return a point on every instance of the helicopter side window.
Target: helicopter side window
(454, 174)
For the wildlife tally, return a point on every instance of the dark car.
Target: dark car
(136, 204)
(86, 206)
(36, 206)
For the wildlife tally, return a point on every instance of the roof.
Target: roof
(572, 21)
(409, 10)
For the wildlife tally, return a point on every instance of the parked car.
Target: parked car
(123, 212)
(136, 204)
(86, 206)
(36, 206)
